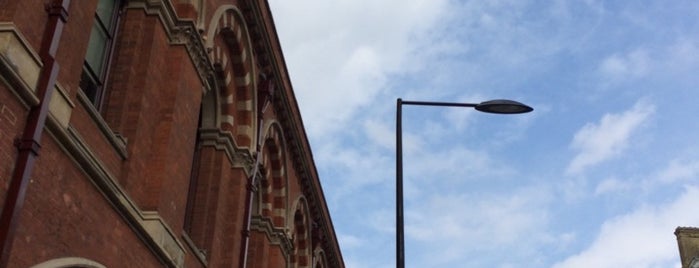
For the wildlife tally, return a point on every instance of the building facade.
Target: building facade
(688, 244)
(151, 133)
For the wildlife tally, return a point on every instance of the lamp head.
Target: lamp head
(503, 107)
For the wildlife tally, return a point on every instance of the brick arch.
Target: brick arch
(301, 230)
(273, 186)
(231, 52)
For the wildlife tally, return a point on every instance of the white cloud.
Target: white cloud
(612, 185)
(621, 67)
(380, 134)
(491, 223)
(683, 54)
(607, 138)
(349, 167)
(350, 241)
(643, 238)
(455, 164)
(340, 53)
(679, 171)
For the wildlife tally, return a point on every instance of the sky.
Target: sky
(598, 175)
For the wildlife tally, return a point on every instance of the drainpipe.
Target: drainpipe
(28, 145)
(268, 92)
(248, 209)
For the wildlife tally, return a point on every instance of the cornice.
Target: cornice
(687, 231)
(270, 57)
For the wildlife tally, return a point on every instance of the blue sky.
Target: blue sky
(599, 175)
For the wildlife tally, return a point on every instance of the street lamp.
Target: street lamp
(493, 106)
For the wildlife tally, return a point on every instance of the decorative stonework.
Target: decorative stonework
(223, 140)
(275, 235)
(181, 32)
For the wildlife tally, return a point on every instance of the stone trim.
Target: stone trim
(20, 65)
(224, 140)
(115, 139)
(68, 262)
(60, 106)
(163, 236)
(194, 249)
(181, 32)
(276, 236)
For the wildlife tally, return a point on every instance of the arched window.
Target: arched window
(273, 186)
(319, 260)
(302, 232)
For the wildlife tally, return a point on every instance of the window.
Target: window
(198, 211)
(193, 180)
(93, 78)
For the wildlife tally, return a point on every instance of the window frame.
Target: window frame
(93, 82)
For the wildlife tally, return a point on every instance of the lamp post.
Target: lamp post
(493, 106)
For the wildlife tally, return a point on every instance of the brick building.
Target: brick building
(151, 133)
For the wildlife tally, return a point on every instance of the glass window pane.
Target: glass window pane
(96, 49)
(90, 87)
(105, 11)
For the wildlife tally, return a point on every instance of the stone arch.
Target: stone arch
(69, 262)
(231, 52)
(301, 233)
(273, 186)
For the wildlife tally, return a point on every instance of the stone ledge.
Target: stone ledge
(19, 64)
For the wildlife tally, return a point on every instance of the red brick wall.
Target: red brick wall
(64, 215)
(29, 16)
(74, 44)
(219, 208)
(12, 121)
(175, 135)
(153, 101)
